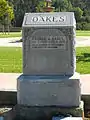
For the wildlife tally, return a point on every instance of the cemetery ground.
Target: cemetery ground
(10, 34)
(18, 34)
(11, 60)
(11, 57)
(82, 33)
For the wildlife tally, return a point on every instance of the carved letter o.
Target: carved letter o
(35, 19)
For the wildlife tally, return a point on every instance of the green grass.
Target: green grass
(11, 34)
(18, 34)
(11, 60)
(82, 33)
(83, 60)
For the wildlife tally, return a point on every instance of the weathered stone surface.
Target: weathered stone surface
(42, 113)
(49, 90)
(49, 44)
(49, 80)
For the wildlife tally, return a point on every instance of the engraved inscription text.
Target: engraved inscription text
(48, 42)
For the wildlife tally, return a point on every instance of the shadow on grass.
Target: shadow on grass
(85, 57)
(17, 41)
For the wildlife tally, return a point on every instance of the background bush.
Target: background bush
(83, 26)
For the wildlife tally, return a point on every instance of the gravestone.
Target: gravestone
(49, 85)
(49, 44)
(49, 77)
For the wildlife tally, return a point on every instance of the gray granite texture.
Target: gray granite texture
(48, 51)
(49, 44)
(62, 91)
(42, 113)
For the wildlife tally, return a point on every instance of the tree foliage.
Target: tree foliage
(6, 12)
(81, 8)
(78, 13)
(62, 5)
(21, 7)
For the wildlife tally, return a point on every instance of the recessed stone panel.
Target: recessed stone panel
(48, 51)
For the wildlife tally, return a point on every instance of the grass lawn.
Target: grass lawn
(83, 60)
(18, 34)
(11, 59)
(82, 33)
(11, 34)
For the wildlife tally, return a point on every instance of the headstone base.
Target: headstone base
(42, 113)
(62, 91)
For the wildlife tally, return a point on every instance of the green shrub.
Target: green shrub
(83, 26)
(88, 19)
(85, 19)
(79, 26)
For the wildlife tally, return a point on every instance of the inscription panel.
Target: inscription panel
(48, 50)
(46, 39)
(48, 42)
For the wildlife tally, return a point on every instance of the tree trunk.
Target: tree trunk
(3, 30)
(8, 29)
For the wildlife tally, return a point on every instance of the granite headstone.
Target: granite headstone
(49, 77)
(48, 44)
